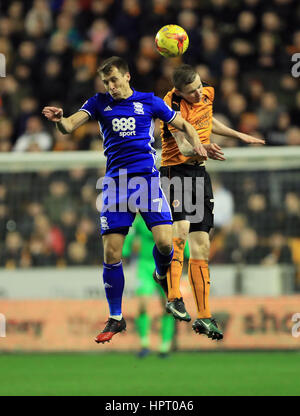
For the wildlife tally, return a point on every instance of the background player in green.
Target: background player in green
(147, 288)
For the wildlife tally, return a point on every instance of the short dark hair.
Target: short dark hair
(114, 61)
(183, 75)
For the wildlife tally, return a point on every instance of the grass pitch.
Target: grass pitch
(187, 374)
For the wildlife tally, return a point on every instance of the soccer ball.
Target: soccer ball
(171, 41)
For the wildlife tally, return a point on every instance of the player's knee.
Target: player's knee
(181, 230)
(182, 234)
(204, 254)
(200, 252)
(164, 247)
(112, 255)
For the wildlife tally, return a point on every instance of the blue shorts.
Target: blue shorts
(125, 195)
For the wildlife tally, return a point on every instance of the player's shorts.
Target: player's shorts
(189, 171)
(125, 195)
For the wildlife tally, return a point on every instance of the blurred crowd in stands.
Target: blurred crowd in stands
(255, 222)
(49, 219)
(243, 48)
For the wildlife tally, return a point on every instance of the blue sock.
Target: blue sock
(162, 262)
(113, 278)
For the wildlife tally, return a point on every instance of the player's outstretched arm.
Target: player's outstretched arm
(222, 130)
(190, 135)
(213, 150)
(65, 124)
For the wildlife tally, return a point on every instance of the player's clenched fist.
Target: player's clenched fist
(53, 113)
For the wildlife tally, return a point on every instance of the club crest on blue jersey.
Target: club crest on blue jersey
(104, 224)
(138, 108)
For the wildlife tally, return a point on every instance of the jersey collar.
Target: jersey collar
(123, 99)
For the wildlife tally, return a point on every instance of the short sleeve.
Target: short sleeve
(162, 110)
(90, 107)
(210, 93)
(182, 112)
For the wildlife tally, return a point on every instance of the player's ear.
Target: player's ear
(177, 92)
(127, 76)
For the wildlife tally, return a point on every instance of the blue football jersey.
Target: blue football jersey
(127, 127)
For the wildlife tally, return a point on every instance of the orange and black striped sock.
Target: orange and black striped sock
(200, 284)
(175, 270)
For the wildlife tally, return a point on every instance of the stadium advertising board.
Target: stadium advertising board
(71, 325)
